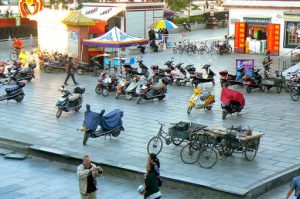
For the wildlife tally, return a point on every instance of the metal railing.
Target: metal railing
(287, 60)
(175, 38)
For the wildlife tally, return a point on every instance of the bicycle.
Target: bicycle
(177, 133)
(199, 150)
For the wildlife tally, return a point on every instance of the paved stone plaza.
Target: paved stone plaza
(276, 115)
(38, 178)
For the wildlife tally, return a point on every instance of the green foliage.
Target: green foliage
(193, 19)
(178, 5)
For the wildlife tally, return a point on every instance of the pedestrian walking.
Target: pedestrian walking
(295, 186)
(151, 185)
(166, 35)
(87, 173)
(70, 68)
(152, 158)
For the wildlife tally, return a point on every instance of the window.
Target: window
(292, 34)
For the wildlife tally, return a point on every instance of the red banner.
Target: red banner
(239, 37)
(273, 40)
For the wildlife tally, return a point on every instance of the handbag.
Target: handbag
(141, 189)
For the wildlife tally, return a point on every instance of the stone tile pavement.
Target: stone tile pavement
(276, 115)
(36, 178)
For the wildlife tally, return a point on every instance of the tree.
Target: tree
(179, 5)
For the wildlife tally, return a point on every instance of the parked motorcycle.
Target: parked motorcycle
(144, 69)
(223, 47)
(229, 79)
(20, 74)
(253, 81)
(232, 101)
(201, 100)
(14, 92)
(110, 124)
(52, 65)
(158, 90)
(131, 89)
(180, 75)
(106, 84)
(88, 67)
(69, 101)
(199, 77)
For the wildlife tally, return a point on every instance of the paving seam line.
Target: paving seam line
(37, 151)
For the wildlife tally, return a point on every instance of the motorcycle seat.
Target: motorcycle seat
(13, 88)
(74, 97)
(158, 86)
(82, 63)
(25, 70)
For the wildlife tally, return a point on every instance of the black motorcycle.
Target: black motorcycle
(144, 69)
(90, 66)
(14, 93)
(111, 124)
(20, 74)
(197, 77)
(53, 65)
(69, 101)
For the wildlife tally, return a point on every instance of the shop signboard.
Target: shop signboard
(273, 40)
(247, 64)
(239, 37)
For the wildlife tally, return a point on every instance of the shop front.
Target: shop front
(256, 35)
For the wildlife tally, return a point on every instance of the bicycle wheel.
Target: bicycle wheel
(188, 154)
(13, 56)
(177, 141)
(155, 145)
(250, 150)
(295, 94)
(207, 158)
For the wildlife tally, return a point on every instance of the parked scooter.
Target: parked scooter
(199, 77)
(232, 101)
(22, 73)
(144, 69)
(88, 67)
(131, 89)
(52, 65)
(201, 100)
(69, 101)
(106, 84)
(111, 124)
(14, 93)
(180, 75)
(224, 47)
(158, 90)
(253, 80)
(229, 79)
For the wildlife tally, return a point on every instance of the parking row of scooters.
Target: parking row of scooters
(138, 83)
(12, 77)
(252, 79)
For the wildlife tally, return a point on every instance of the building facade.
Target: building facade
(273, 23)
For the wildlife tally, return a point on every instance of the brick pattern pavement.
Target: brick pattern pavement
(274, 114)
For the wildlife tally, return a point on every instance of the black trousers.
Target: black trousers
(68, 76)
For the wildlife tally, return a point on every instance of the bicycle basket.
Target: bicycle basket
(182, 126)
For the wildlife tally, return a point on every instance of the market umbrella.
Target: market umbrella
(163, 24)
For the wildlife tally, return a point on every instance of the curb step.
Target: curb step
(204, 192)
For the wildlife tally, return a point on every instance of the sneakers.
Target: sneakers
(66, 84)
(76, 83)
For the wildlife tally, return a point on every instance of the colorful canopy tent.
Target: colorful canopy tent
(115, 38)
(75, 18)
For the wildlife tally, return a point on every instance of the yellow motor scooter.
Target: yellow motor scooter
(201, 100)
